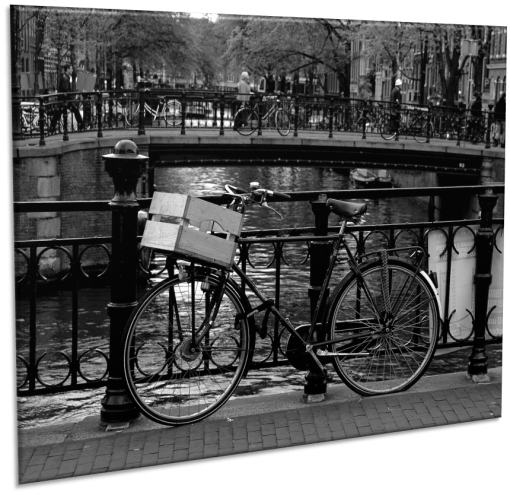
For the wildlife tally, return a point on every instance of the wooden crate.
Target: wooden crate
(183, 225)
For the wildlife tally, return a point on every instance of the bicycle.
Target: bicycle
(476, 130)
(418, 127)
(191, 338)
(246, 119)
(167, 111)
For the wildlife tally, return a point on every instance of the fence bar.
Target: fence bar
(489, 122)
(320, 253)
(222, 114)
(484, 242)
(65, 105)
(75, 276)
(99, 113)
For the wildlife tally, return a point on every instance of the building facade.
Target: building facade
(495, 79)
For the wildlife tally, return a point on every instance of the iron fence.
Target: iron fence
(181, 111)
(278, 259)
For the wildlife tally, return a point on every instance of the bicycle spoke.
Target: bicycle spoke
(404, 325)
(192, 380)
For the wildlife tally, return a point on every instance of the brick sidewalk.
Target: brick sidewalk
(317, 423)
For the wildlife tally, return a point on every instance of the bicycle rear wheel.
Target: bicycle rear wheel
(390, 338)
(246, 121)
(282, 119)
(419, 129)
(172, 383)
(388, 131)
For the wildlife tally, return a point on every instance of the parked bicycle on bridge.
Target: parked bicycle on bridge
(246, 119)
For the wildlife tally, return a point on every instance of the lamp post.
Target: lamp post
(125, 166)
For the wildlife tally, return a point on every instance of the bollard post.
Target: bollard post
(42, 141)
(484, 242)
(125, 166)
(320, 252)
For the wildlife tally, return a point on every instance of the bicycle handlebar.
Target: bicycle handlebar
(276, 195)
(256, 195)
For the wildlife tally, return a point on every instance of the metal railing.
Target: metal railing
(84, 364)
(181, 111)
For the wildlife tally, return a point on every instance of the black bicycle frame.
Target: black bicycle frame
(338, 243)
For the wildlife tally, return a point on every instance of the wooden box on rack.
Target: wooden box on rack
(184, 226)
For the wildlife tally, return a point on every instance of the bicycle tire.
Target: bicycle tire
(419, 129)
(246, 121)
(387, 129)
(170, 383)
(282, 120)
(171, 113)
(392, 361)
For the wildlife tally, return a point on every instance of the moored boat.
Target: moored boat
(371, 179)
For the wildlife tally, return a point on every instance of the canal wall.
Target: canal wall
(452, 207)
(74, 171)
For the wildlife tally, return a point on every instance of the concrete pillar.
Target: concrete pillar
(44, 183)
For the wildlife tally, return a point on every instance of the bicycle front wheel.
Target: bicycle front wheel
(246, 121)
(282, 119)
(388, 131)
(172, 382)
(388, 337)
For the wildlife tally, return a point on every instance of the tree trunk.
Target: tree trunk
(73, 67)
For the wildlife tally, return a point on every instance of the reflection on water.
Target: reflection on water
(54, 312)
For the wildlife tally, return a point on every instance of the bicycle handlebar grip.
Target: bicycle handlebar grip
(236, 190)
(278, 195)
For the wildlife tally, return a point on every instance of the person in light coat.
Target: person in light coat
(244, 94)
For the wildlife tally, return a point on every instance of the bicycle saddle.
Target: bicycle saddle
(346, 209)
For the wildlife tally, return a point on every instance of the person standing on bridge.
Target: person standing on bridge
(244, 92)
(64, 86)
(396, 102)
(500, 117)
(475, 123)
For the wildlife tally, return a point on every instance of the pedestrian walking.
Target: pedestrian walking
(64, 86)
(244, 92)
(396, 102)
(500, 117)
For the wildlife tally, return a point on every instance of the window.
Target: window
(230, 77)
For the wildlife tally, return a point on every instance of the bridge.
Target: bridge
(202, 147)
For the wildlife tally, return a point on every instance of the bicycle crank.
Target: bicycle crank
(322, 353)
(296, 350)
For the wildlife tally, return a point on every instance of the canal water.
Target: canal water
(54, 311)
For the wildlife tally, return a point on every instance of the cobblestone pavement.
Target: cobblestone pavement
(317, 423)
